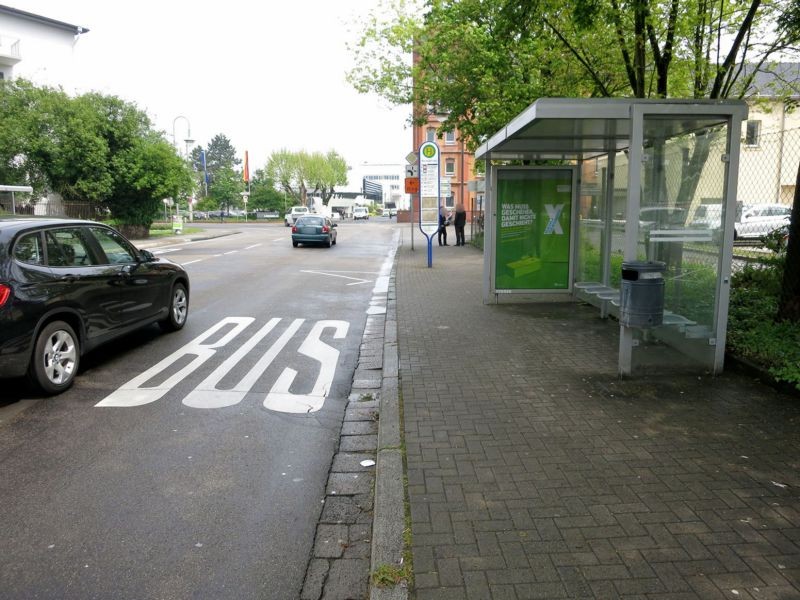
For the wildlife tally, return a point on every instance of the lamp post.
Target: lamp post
(187, 141)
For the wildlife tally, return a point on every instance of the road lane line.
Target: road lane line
(253, 246)
(356, 280)
(231, 252)
(191, 262)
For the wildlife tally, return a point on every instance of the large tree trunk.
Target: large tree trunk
(789, 307)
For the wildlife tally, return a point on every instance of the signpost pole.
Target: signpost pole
(429, 193)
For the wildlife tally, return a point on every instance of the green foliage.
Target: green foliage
(753, 331)
(91, 147)
(145, 173)
(480, 63)
(390, 575)
(298, 173)
(263, 193)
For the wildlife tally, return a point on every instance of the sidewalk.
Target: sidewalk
(534, 472)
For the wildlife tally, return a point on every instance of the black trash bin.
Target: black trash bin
(642, 294)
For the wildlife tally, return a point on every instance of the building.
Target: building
(37, 48)
(389, 176)
(457, 163)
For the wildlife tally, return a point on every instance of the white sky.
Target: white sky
(268, 74)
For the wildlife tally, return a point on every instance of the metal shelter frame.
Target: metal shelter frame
(571, 131)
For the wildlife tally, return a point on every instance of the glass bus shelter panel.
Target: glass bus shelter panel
(619, 215)
(680, 174)
(591, 222)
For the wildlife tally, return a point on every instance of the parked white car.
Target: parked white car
(761, 219)
(360, 212)
(294, 214)
(752, 220)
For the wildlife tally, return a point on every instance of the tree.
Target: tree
(479, 63)
(325, 172)
(226, 188)
(52, 142)
(93, 148)
(298, 172)
(284, 167)
(146, 172)
(264, 194)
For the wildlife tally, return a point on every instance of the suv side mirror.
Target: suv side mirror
(147, 256)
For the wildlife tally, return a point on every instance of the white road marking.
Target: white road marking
(357, 280)
(141, 390)
(165, 250)
(136, 393)
(231, 252)
(282, 400)
(253, 246)
(191, 262)
(206, 394)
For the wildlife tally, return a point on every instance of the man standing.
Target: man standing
(459, 222)
(443, 223)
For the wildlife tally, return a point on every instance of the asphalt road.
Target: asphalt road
(201, 472)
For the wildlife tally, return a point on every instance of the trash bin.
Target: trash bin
(177, 225)
(642, 294)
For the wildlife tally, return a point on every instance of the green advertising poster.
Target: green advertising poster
(534, 208)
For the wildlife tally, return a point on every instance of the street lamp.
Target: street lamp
(187, 140)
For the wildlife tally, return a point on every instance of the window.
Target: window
(430, 134)
(66, 248)
(115, 249)
(29, 249)
(450, 167)
(753, 133)
(450, 138)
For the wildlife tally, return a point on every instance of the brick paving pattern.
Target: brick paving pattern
(534, 472)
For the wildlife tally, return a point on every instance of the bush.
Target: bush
(753, 332)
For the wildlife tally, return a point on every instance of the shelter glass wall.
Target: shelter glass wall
(680, 174)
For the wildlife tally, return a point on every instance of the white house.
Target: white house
(37, 48)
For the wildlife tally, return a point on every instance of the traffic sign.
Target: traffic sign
(412, 185)
(412, 170)
(412, 158)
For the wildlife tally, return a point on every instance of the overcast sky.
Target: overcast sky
(268, 75)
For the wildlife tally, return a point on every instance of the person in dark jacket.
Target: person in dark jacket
(459, 222)
(443, 223)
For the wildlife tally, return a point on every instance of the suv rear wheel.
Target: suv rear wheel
(56, 357)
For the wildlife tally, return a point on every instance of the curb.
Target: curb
(363, 518)
(389, 514)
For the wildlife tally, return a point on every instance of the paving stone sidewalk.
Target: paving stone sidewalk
(534, 472)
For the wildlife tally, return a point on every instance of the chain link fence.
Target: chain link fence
(51, 207)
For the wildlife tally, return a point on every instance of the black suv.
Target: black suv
(67, 286)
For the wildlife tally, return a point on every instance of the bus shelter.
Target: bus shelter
(599, 200)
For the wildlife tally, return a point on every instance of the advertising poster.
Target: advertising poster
(534, 208)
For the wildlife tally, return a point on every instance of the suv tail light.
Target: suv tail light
(294, 228)
(325, 229)
(5, 293)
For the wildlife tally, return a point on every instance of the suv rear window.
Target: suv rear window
(29, 249)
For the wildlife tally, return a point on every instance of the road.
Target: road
(192, 465)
